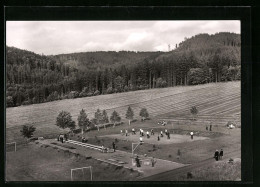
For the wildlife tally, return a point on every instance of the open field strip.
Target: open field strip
(173, 105)
(211, 103)
(157, 101)
(29, 114)
(181, 109)
(191, 98)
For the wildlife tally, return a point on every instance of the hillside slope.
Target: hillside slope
(216, 100)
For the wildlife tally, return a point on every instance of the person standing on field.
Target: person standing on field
(221, 154)
(191, 135)
(114, 146)
(137, 161)
(161, 134)
(216, 155)
(152, 133)
(153, 161)
(147, 134)
(126, 132)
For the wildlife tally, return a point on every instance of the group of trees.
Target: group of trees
(204, 58)
(64, 119)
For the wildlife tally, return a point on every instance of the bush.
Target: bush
(83, 94)
(134, 120)
(9, 101)
(76, 131)
(73, 94)
(26, 103)
(109, 90)
(96, 93)
(89, 94)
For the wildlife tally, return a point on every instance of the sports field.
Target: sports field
(217, 104)
(174, 138)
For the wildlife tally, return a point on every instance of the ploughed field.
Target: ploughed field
(216, 103)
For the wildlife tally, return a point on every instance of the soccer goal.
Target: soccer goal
(81, 174)
(10, 147)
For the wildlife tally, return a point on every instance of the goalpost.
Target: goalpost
(82, 170)
(11, 144)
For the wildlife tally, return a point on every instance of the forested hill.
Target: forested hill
(102, 59)
(33, 78)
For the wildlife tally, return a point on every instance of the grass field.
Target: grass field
(191, 151)
(219, 171)
(216, 102)
(42, 163)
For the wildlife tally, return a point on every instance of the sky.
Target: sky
(58, 37)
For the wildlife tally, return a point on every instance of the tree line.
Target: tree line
(32, 78)
(64, 119)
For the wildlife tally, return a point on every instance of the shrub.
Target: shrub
(96, 93)
(9, 101)
(109, 90)
(89, 94)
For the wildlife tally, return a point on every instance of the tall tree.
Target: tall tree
(98, 116)
(27, 131)
(194, 111)
(104, 117)
(129, 114)
(115, 118)
(83, 121)
(64, 120)
(144, 114)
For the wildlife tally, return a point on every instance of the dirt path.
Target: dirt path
(166, 176)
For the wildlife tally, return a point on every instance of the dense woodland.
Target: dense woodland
(33, 78)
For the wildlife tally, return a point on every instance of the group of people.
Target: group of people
(218, 154)
(166, 132)
(210, 127)
(62, 138)
(134, 132)
(163, 123)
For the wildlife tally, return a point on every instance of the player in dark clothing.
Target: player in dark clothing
(216, 155)
(137, 162)
(158, 138)
(66, 137)
(114, 146)
(221, 154)
(210, 127)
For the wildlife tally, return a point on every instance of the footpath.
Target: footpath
(119, 158)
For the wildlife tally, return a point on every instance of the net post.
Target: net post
(91, 173)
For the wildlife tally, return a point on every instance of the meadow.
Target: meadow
(216, 102)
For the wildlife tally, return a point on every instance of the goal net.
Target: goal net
(81, 174)
(9, 147)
